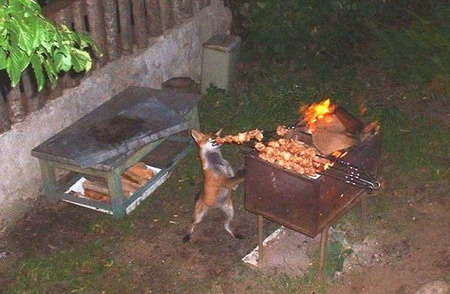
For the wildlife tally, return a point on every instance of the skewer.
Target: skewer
(352, 173)
(348, 165)
(359, 182)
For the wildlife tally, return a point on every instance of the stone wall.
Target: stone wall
(176, 53)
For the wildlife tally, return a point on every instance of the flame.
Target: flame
(317, 111)
(339, 154)
(335, 154)
(328, 165)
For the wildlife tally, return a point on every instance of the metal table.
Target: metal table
(114, 136)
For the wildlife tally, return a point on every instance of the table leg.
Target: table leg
(51, 186)
(323, 253)
(260, 237)
(116, 194)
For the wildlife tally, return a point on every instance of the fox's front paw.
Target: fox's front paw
(238, 236)
(186, 238)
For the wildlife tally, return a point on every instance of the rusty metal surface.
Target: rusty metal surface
(302, 203)
(126, 122)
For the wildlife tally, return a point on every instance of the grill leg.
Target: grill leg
(323, 253)
(260, 237)
(364, 214)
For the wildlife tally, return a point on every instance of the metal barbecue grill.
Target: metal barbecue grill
(310, 205)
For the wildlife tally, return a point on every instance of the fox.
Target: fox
(219, 181)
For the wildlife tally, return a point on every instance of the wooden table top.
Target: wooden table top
(133, 118)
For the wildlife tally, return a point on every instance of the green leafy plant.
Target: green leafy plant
(27, 38)
(336, 257)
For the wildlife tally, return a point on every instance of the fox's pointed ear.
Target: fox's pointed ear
(217, 134)
(196, 134)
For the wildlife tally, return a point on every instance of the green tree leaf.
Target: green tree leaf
(63, 60)
(2, 59)
(26, 35)
(52, 74)
(16, 64)
(36, 64)
(25, 38)
(81, 60)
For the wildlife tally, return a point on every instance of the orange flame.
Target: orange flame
(328, 165)
(317, 111)
(339, 154)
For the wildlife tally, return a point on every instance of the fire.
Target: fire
(317, 111)
(328, 165)
(339, 154)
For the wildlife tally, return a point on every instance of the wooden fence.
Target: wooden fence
(118, 27)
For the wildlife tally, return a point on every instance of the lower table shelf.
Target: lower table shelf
(162, 160)
(130, 204)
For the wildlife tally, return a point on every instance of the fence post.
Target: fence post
(79, 12)
(166, 14)
(97, 29)
(205, 3)
(112, 29)
(140, 24)
(153, 17)
(177, 11)
(16, 110)
(33, 102)
(5, 124)
(188, 8)
(182, 10)
(64, 17)
(197, 6)
(126, 32)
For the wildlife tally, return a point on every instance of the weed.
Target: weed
(65, 271)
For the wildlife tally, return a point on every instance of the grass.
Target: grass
(73, 271)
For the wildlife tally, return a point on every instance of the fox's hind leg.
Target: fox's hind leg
(200, 210)
(227, 208)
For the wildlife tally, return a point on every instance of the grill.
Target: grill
(308, 205)
(303, 203)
